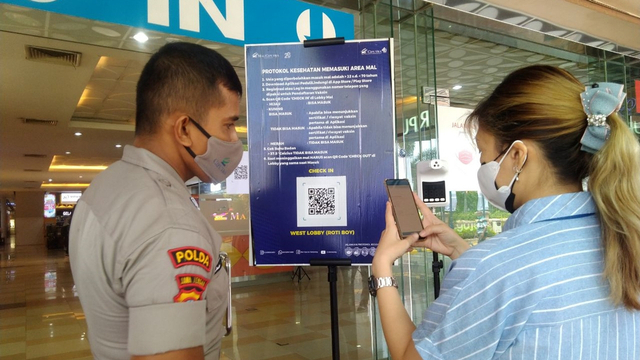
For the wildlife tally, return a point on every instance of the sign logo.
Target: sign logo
(221, 165)
(265, 56)
(190, 256)
(366, 51)
(190, 287)
(304, 27)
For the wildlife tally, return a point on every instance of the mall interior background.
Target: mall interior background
(438, 46)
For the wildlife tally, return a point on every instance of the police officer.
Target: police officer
(143, 257)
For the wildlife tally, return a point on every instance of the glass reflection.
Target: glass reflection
(10, 275)
(50, 282)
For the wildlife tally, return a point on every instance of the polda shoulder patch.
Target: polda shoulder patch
(190, 287)
(190, 255)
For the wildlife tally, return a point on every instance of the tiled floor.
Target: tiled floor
(274, 317)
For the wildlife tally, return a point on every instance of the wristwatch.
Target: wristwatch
(377, 283)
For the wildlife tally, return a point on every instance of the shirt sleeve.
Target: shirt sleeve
(482, 309)
(165, 281)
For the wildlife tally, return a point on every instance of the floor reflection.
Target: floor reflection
(275, 317)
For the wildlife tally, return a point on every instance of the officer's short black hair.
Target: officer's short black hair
(182, 77)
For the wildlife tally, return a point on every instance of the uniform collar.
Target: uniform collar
(150, 161)
(571, 205)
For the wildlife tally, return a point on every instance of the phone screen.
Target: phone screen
(404, 206)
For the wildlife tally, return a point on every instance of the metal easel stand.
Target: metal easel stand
(332, 265)
(300, 273)
(435, 268)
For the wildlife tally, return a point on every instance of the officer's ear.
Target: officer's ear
(182, 130)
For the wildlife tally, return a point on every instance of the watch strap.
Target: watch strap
(377, 283)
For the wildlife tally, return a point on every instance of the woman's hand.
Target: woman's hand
(437, 235)
(390, 246)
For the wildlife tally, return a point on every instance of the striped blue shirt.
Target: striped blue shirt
(536, 291)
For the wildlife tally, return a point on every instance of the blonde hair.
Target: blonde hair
(614, 182)
(542, 103)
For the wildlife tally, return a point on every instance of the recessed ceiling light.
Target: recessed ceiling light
(69, 185)
(50, 180)
(80, 176)
(78, 134)
(68, 152)
(77, 167)
(141, 37)
(118, 145)
(457, 87)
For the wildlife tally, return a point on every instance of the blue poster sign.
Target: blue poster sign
(235, 22)
(321, 143)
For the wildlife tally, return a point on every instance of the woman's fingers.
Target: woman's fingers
(426, 213)
(388, 216)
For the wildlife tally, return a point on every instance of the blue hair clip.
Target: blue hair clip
(599, 101)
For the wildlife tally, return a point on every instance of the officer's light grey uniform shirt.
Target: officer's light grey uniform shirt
(144, 260)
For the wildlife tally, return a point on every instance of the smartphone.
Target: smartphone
(405, 210)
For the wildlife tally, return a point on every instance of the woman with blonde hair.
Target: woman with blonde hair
(563, 279)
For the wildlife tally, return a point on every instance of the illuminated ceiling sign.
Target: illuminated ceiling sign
(70, 197)
(235, 22)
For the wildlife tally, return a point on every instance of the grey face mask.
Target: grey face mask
(221, 157)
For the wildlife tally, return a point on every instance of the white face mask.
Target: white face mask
(221, 157)
(502, 198)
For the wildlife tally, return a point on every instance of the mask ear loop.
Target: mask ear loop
(202, 130)
(516, 177)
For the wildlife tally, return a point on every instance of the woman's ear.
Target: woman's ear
(519, 154)
(181, 131)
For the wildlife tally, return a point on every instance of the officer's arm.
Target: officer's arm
(195, 353)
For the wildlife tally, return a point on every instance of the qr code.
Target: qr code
(322, 201)
(241, 173)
